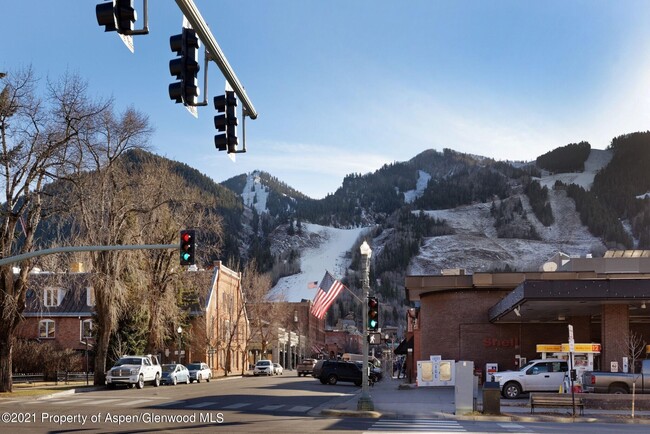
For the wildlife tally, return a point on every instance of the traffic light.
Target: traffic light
(226, 122)
(185, 67)
(373, 314)
(188, 247)
(116, 15)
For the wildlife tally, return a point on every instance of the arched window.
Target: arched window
(46, 329)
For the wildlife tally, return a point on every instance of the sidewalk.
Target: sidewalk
(392, 398)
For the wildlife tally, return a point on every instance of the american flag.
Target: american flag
(312, 285)
(328, 290)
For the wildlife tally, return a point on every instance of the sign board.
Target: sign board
(613, 366)
(572, 343)
(128, 41)
(438, 373)
(564, 348)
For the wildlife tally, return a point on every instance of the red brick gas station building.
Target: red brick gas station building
(502, 317)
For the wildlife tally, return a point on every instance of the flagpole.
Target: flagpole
(353, 294)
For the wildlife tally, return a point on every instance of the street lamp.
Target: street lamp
(365, 401)
(180, 332)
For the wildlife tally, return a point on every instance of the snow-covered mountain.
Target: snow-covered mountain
(474, 246)
(329, 251)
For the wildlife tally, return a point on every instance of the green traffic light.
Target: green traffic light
(186, 256)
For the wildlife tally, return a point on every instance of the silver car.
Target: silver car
(199, 371)
(175, 373)
(263, 367)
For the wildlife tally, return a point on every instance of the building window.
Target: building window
(52, 297)
(90, 296)
(46, 329)
(86, 329)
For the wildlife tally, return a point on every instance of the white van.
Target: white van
(349, 357)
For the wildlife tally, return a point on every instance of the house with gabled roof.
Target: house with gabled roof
(219, 328)
(59, 310)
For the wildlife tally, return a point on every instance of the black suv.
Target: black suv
(332, 371)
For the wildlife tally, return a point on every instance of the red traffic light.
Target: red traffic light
(188, 247)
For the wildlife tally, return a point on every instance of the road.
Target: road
(238, 404)
(286, 404)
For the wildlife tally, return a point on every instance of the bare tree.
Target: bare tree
(174, 205)
(261, 305)
(37, 138)
(635, 348)
(107, 199)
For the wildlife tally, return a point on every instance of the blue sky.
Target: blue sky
(346, 86)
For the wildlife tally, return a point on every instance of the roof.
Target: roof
(74, 302)
(553, 301)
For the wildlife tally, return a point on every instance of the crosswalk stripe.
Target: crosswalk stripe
(96, 402)
(299, 408)
(428, 425)
(201, 404)
(70, 401)
(134, 402)
(235, 406)
(271, 407)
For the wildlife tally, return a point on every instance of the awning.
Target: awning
(403, 347)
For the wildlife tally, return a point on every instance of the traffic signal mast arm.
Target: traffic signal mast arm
(37, 253)
(194, 17)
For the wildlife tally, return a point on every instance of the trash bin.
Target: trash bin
(491, 397)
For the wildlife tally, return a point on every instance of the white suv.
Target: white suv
(263, 367)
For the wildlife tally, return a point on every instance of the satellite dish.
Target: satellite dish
(549, 266)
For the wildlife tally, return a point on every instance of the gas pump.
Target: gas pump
(583, 357)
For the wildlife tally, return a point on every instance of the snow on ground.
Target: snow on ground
(330, 255)
(255, 194)
(421, 185)
(475, 246)
(598, 159)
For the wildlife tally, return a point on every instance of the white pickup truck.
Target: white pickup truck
(135, 370)
(539, 375)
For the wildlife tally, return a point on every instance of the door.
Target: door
(545, 376)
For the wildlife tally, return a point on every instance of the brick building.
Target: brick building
(58, 311)
(219, 328)
(501, 317)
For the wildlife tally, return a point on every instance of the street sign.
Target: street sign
(374, 338)
(572, 342)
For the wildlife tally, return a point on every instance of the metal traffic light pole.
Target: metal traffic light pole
(18, 258)
(365, 401)
(192, 14)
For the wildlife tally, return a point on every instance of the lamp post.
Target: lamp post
(180, 332)
(295, 323)
(365, 401)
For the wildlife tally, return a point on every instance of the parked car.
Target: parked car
(134, 370)
(306, 367)
(199, 371)
(333, 371)
(618, 382)
(277, 369)
(263, 367)
(175, 373)
(539, 375)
